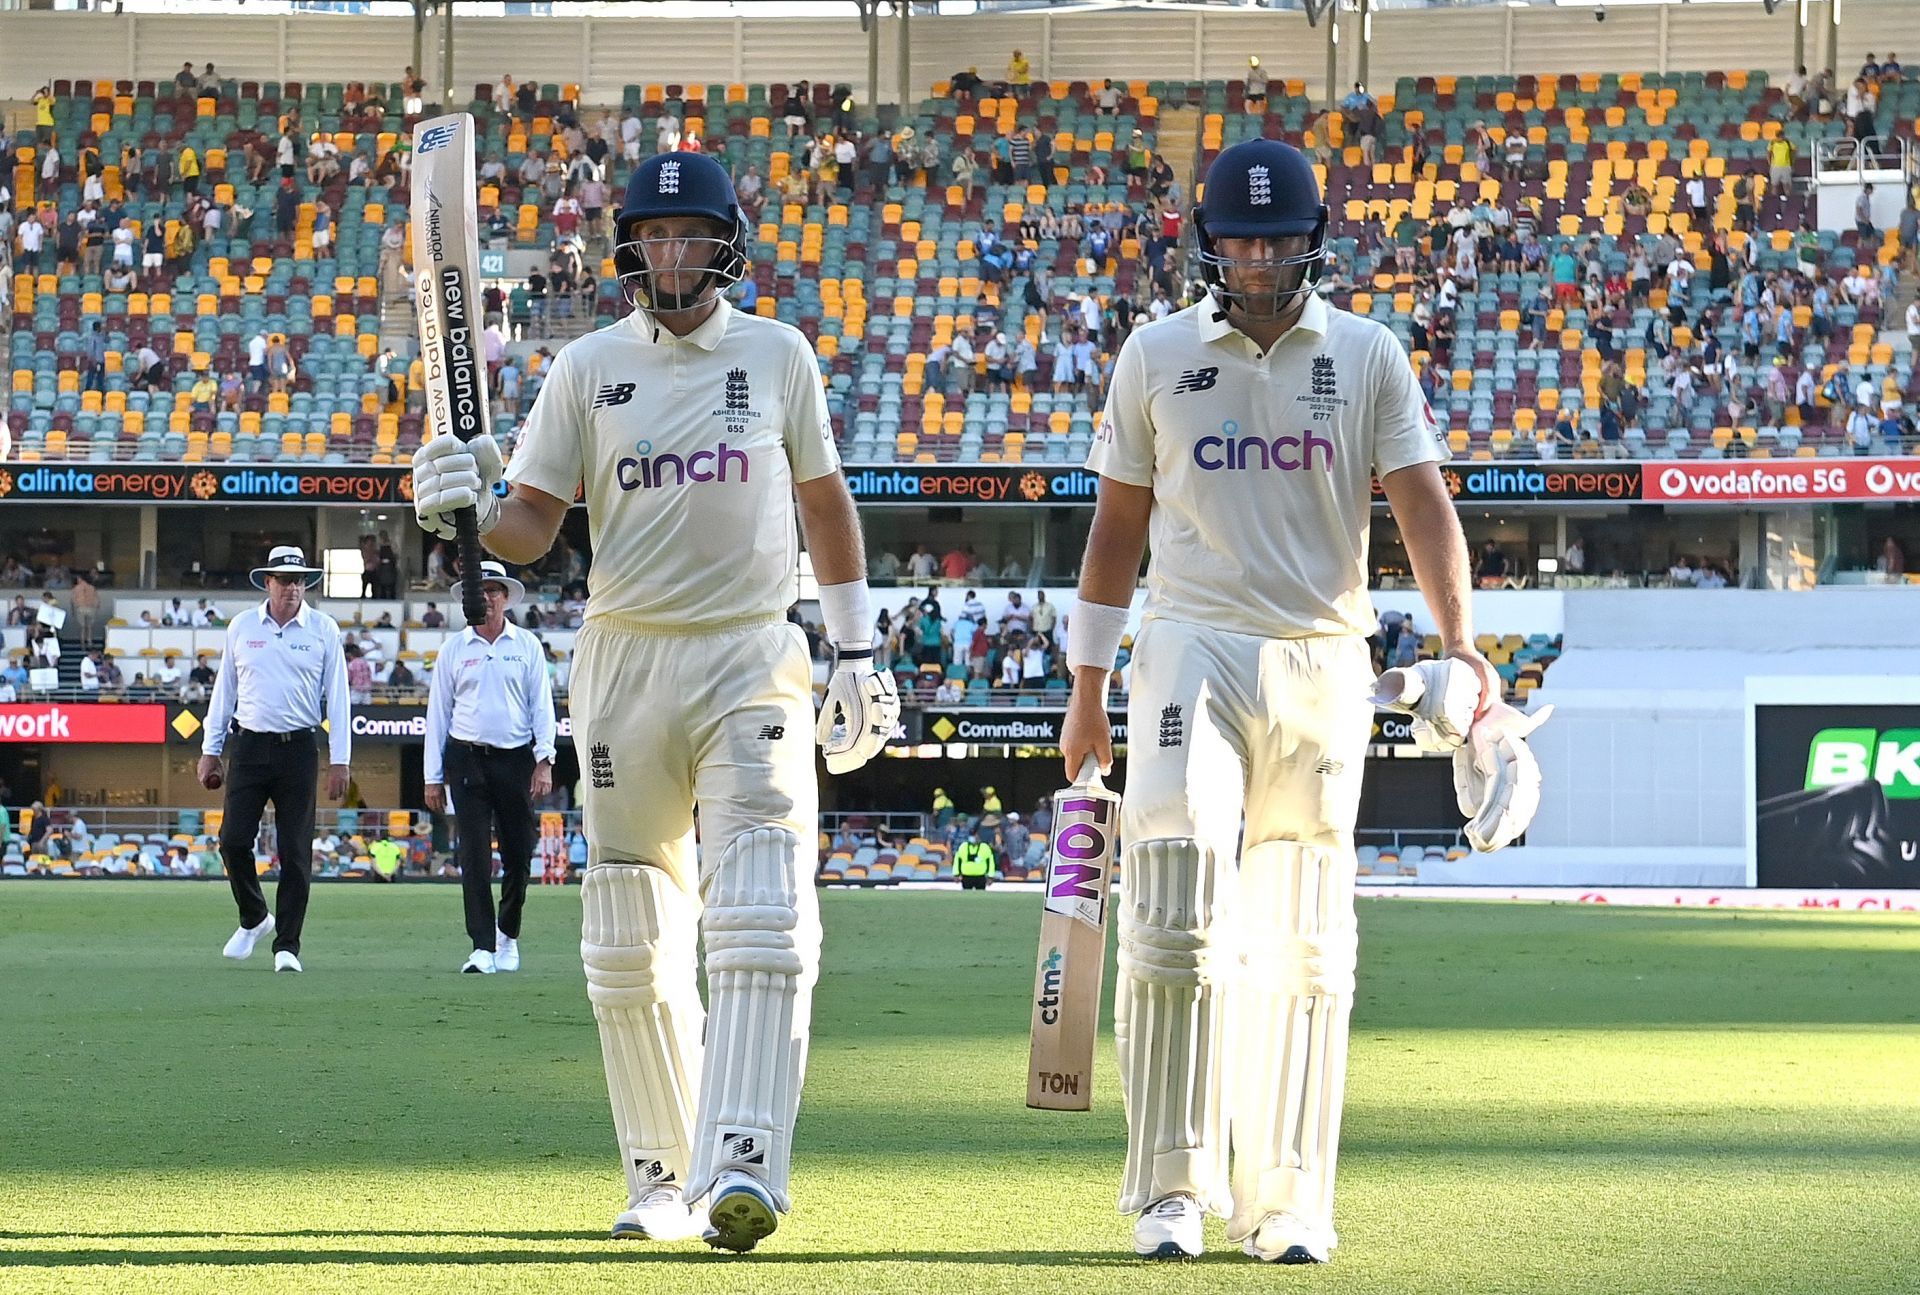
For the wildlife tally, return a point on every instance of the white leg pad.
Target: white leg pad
(1291, 1011)
(1169, 1025)
(637, 938)
(762, 926)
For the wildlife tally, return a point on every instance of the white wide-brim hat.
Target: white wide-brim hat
(286, 560)
(494, 573)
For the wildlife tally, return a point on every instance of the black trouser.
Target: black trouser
(974, 883)
(277, 767)
(492, 794)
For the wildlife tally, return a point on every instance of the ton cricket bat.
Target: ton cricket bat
(1073, 944)
(446, 258)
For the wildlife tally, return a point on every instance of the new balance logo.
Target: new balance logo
(743, 1148)
(1329, 768)
(669, 177)
(438, 137)
(772, 732)
(1196, 380)
(653, 1171)
(615, 393)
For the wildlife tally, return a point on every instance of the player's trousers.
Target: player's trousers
(492, 796)
(720, 720)
(1236, 918)
(278, 768)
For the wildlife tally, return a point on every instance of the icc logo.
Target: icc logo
(438, 137)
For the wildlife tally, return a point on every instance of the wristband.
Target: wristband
(1097, 629)
(848, 611)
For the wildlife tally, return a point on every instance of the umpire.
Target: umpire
(283, 673)
(490, 731)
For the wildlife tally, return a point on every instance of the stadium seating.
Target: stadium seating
(881, 276)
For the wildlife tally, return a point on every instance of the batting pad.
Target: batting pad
(637, 941)
(1169, 1020)
(762, 927)
(1290, 1016)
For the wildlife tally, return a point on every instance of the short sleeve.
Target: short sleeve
(1404, 430)
(1124, 448)
(808, 432)
(547, 454)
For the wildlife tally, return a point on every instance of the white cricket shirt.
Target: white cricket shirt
(495, 693)
(276, 678)
(1261, 466)
(689, 448)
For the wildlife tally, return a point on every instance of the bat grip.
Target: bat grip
(467, 545)
(1089, 771)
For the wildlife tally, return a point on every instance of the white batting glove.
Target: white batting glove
(863, 699)
(1440, 695)
(450, 474)
(1496, 778)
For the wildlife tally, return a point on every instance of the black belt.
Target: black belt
(481, 748)
(291, 735)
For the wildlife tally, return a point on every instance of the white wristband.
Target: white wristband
(848, 612)
(1097, 631)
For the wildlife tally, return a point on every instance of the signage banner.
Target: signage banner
(233, 483)
(406, 725)
(1781, 480)
(31, 723)
(1875, 901)
(1034, 726)
(1837, 795)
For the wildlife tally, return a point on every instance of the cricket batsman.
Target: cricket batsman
(1241, 435)
(694, 429)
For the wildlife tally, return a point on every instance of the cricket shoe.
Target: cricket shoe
(506, 953)
(742, 1213)
(1283, 1238)
(286, 961)
(240, 943)
(1170, 1229)
(662, 1215)
(479, 963)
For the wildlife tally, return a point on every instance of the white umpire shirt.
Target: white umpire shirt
(277, 678)
(689, 448)
(1261, 466)
(496, 694)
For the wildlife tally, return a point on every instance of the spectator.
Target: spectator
(1493, 562)
(921, 564)
(1256, 87)
(1019, 72)
(433, 618)
(359, 676)
(1863, 215)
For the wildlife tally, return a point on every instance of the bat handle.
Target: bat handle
(1089, 774)
(467, 544)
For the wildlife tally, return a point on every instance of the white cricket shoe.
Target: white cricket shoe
(240, 943)
(506, 953)
(479, 962)
(1170, 1228)
(742, 1213)
(285, 961)
(1284, 1238)
(662, 1215)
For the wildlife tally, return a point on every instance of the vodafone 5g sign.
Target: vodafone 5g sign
(1786, 481)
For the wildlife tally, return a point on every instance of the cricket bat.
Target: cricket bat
(1073, 944)
(446, 258)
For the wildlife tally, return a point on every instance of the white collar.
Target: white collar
(299, 617)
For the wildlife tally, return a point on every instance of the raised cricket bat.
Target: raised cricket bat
(1073, 944)
(446, 258)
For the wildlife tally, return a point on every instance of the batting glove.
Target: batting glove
(866, 704)
(450, 474)
(1440, 695)
(1495, 777)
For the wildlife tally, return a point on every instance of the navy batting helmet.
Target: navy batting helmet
(1261, 188)
(680, 184)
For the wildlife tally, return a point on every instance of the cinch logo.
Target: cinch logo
(438, 137)
(1049, 1000)
(1234, 453)
(1195, 380)
(1843, 755)
(616, 393)
(651, 473)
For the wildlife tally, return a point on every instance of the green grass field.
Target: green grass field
(1542, 1100)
